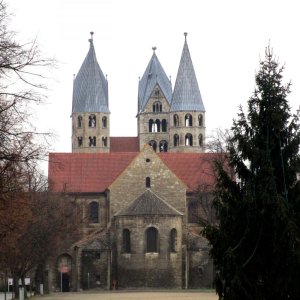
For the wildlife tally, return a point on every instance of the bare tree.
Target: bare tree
(42, 219)
(22, 85)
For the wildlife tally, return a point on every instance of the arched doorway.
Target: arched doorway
(64, 268)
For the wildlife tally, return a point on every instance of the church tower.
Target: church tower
(187, 112)
(90, 112)
(154, 98)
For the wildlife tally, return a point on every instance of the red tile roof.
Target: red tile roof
(85, 172)
(94, 172)
(194, 169)
(124, 144)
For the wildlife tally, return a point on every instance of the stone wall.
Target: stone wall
(145, 136)
(182, 130)
(131, 183)
(154, 269)
(85, 131)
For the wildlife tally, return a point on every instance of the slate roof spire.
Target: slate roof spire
(154, 74)
(90, 88)
(186, 94)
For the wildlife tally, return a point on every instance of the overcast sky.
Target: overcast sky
(226, 39)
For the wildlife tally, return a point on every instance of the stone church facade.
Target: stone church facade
(140, 195)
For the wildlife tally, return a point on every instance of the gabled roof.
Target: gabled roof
(90, 89)
(85, 172)
(154, 74)
(95, 172)
(148, 204)
(96, 240)
(186, 94)
(124, 144)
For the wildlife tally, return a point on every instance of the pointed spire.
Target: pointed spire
(91, 39)
(186, 95)
(90, 90)
(154, 74)
(185, 34)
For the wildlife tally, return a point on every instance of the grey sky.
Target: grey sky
(226, 40)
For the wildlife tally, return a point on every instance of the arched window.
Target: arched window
(173, 240)
(157, 107)
(163, 146)
(126, 246)
(92, 141)
(150, 125)
(176, 120)
(94, 212)
(176, 140)
(104, 122)
(157, 123)
(188, 139)
(79, 141)
(154, 127)
(104, 141)
(151, 240)
(200, 138)
(79, 121)
(156, 92)
(164, 125)
(188, 120)
(200, 120)
(92, 121)
(148, 182)
(153, 145)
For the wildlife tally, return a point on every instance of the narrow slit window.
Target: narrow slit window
(104, 122)
(94, 212)
(148, 182)
(79, 122)
(176, 121)
(126, 241)
(92, 121)
(173, 240)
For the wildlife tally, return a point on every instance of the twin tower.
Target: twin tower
(169, 121)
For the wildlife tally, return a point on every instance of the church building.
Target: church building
(141, 196)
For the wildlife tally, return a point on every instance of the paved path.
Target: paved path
(8, 296)
(132, 295)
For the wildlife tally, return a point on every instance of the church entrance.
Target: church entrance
(65, 282)
(64, 268)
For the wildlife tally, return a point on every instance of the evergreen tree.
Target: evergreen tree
(255, 245)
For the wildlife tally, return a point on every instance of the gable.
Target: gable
(157, 95)
(148, 204)
(131, 183)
